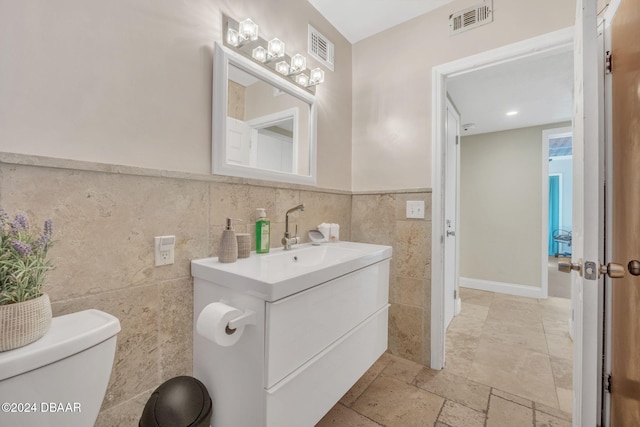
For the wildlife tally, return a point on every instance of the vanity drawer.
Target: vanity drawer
(302, 325)
(306, 395)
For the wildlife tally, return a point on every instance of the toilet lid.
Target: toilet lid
(68, 335)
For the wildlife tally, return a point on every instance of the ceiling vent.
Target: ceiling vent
(472, 17)
(320, 48)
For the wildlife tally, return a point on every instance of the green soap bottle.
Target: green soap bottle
(263, 232)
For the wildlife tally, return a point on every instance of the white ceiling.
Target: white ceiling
(359, 19)
(539, 88)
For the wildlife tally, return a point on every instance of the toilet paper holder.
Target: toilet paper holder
(246, 318)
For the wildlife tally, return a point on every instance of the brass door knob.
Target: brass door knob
(634, 267)
(613, 270)
(565, 265)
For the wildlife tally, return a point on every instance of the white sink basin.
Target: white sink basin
(281, 273)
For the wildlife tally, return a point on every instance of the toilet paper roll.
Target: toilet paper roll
(213, 324)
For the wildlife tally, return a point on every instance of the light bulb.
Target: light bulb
(282, 67)
(233, 37)
(248, 30)
(298, 63)
(316, 76)
(276, 48)
(302, 79)
(259, 54)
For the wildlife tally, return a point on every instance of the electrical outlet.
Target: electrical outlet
(415, 209)
(164, 249)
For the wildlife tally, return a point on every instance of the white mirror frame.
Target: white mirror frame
(224, 56)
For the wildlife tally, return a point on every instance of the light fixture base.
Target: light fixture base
(274, 57)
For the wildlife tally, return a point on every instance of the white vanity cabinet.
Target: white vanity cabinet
(305, 351)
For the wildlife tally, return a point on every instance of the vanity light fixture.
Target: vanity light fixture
(259, 54)
(233, 37)
(275, 49)
(302, 79)
(244, 38)
(298, 63)
(283, 68)
(247, 31)
(316, 76)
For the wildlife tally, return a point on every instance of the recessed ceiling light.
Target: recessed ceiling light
(512, 113)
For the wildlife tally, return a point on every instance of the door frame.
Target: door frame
(557, 40)
(455, 274)
(608, 144)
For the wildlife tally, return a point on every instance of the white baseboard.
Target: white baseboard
(501, 287)
(458, 306)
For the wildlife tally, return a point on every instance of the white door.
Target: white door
(451, 248)
(588, 217)
(238, 141)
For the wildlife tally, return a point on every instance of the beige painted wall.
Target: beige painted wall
(392, 84)
(501, 206)
(129, 82)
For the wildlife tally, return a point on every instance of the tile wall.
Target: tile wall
(381, 218)
(105, 218)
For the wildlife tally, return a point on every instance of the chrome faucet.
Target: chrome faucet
(287, 240)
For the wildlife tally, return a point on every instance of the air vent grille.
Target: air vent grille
(471, 18)
(321, 48)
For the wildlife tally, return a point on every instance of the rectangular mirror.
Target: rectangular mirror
(264, 127)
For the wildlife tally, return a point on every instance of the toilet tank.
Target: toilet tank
(61, 379)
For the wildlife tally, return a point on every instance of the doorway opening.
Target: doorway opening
(557, 167)
(515, 293)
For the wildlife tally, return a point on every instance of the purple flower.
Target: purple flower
(48, 228)
(46, 235)
(20, 224)
(23, 248)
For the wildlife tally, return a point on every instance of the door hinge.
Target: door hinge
(457, 139)
(607, 62)
(606, 383)
(455, 294)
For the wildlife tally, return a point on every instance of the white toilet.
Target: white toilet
(61, 379)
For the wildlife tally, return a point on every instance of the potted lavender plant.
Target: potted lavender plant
(25, 311)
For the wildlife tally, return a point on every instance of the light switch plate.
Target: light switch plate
(415, 209)
(164, 249)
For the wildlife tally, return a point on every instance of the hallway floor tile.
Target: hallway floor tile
(508, 364)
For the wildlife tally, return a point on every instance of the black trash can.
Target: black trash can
(178, 402)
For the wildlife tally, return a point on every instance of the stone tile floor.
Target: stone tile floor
(508, 364)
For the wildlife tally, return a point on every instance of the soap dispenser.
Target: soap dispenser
(263, 232)
(228, 251)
